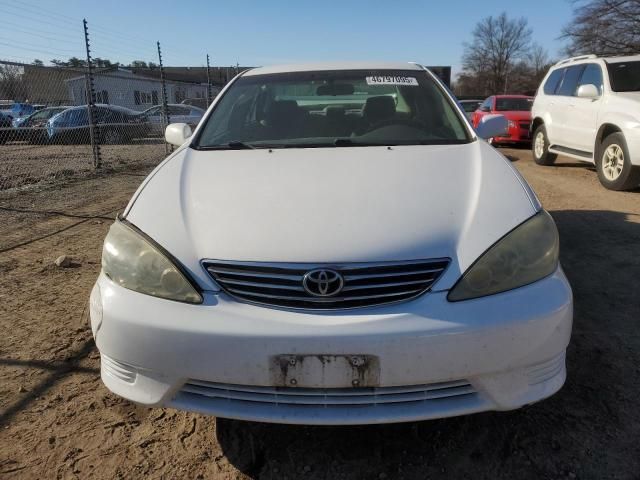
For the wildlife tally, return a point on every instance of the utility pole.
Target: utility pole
(165, 107)
(93, 129)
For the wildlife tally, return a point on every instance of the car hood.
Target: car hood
(332, 205)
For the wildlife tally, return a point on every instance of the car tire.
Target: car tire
(540, 147)
(613, 164)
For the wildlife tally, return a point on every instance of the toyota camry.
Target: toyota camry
(333, 244)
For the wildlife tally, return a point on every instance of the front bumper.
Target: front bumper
(433, 358)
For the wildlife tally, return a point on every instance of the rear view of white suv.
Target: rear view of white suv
(588, 108)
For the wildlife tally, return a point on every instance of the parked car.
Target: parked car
(34, 127)
(302, 260)
(177, 114)
(517, 109)
(20, 111)
(116, 125)
(469, 107)
(202, 102)
(588, 108)
(5, 128)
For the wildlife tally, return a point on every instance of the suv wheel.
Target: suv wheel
(614, 165)
(540, 147)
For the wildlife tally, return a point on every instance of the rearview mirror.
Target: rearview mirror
(492, 126)
(177, 133)
(588, 91)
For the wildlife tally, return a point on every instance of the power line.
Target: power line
(38, 50)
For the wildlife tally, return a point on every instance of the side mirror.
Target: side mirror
(177, 133)
(485, 109)
(588, 91)
(492, 126)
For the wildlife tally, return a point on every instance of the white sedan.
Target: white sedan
(368, 260)
(178, 113)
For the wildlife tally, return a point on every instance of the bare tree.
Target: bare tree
(538, 59)
(12, 86)
(497, 44)
(604, 27)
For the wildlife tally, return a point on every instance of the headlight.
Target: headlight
(512, 124)
(525, 255)
(134, 263)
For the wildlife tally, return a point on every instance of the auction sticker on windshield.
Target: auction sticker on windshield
(392, 80)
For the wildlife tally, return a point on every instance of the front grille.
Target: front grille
(325, 397)
(365, 284)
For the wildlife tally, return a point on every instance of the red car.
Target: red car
(517, 109)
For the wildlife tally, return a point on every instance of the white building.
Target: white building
(127, 89)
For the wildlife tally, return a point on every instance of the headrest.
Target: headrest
(379, 108)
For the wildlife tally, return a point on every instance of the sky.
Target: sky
(264, 32)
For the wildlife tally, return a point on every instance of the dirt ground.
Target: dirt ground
(57, 420)
(23, 164)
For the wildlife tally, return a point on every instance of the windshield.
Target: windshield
(513, 104)
(332, 108)
(624, 76)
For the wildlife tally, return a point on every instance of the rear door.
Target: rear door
(564, 115)
(581, 130)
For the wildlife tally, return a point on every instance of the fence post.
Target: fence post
(208, 83)
(93, 128)
(165, 107)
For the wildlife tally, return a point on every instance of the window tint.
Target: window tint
(507, 104)
(570, 81)
(624, 76)
(592, 74)
(553, 81)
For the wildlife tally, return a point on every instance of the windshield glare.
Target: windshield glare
(624, 76)
(333, 108)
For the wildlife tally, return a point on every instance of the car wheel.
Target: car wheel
(540, 147)
(112, 137)
(615, 170)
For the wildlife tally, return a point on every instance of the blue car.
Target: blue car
(20, 111)
(115, 125)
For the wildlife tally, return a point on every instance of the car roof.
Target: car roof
(325, 66)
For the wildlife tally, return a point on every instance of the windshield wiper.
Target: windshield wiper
(240, 146)
(347, 142)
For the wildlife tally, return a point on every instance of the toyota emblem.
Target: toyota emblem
(322, 282)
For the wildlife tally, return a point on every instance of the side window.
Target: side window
(487, 104)
(551, 85)
(592, 74)
(570, 81)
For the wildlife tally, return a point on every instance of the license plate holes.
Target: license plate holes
(325, 371)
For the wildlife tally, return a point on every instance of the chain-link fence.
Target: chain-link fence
(50, 128)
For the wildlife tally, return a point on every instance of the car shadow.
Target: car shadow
(580, 432)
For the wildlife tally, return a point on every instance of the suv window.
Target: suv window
(592, 74)
(570, 81)
(624, 76)
(551, 85)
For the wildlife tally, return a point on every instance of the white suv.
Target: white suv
(588, 108)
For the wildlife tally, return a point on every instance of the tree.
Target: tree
(138, 64)
(497, 43)
(37, 62)
(604, 27)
